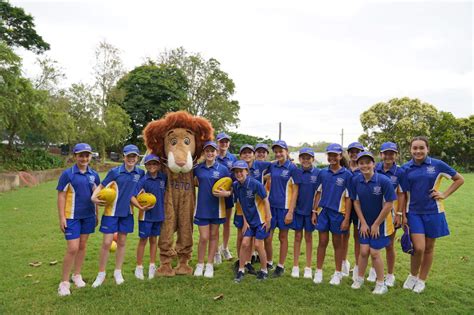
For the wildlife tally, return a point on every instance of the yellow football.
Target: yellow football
(113, 247)
(108, 195)
(223, 183)
(146, 199)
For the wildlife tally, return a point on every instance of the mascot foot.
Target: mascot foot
(165, 270)
(183, 269)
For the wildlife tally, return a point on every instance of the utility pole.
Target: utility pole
(279, 131)
(342, 137)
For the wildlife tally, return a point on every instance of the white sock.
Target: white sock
(101, 274)
(140, 266)
(264, 270)
(270, 262)
(319, 270)
(281, 266)
(242, 270)
(152, 265)
(380, 282)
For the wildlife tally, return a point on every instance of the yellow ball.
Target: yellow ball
(146, 199)
(223, 183)
(108, 195)
(113, 247)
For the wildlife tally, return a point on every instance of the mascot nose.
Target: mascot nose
(181, 163)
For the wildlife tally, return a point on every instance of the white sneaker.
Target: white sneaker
(410, 282)
(151, 271)
(64, 288)
(419, 286)
(295, 272)
(118, 276)
(355, 273)
(357, 284)
(225, 254)
(318, 276)
(390, 280)
(308, 273)
(346, 267)
(199, 270)
(209, 272)
(218, 258)
(99, 280)
(78, 282)
(336, 278)
(139, 273)
(372, 275)
(380, 288)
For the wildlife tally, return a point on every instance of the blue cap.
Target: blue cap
(279, 143)
(334, 148)
(82, 147)
(240, 165)
(406, 242)
(365, 153)
(389, 146)
(355, 145)
(131, 149)
(262, 146)
(307, 151)
(246, 146)
(222, 136)
(209, 144)
(151, 157)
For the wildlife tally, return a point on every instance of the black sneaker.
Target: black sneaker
(253, 260)
(239, 277)
(257, 258)
(278, 272)
(269, 266)
(250, 269)
(262, 275)
(235, 267)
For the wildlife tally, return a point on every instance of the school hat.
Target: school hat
(389, 146)
(240, 165)
(222, 136)
(334, 148)
(355, 145)
(209, 144)
(279, 143)
(151, 157)
(130, 149)
(82, 147)
(365, 153)
(306, 151)
(246, 146)
(405, 241)
(262, 146)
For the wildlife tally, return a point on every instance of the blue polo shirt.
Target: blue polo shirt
(156, 186)
(372, 195)
(283, 179)
(208, 206)
(421, 179)
(124, 183)
(334, 187)
(227, 160)
(258, 169)
(306, 190)
(79, 188)
(251, 195)
(396, 174)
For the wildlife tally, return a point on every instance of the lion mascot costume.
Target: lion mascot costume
(177, 139)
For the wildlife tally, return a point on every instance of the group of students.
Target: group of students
(376, 198)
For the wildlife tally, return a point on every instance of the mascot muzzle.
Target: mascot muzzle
(182, 166)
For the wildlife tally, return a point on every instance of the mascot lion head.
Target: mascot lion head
(177, 139)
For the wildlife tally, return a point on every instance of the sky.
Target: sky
(313, 66)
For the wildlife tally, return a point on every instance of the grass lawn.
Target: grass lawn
(29, 225)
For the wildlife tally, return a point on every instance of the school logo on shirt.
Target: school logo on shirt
(285, 173)
(162, 185)
(256, 173)
(313, 179)
(431, 170)
(229, 164)
(377, 190)
(340, 181)
(91, 179)
(136, 178)
(249, 194)
(216, 175)
(394, 179)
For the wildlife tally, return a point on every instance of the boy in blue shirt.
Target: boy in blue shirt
(373, 196)
(150, 218)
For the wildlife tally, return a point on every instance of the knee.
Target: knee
(121, 242)
(153, 240)
(204, 238)
(72, 249)
(429, 249)
(298, 237)
(323, 242)
(82, 246)
(374, 254)
(418, 248)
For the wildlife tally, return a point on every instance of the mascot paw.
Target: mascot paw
(183, 269)
(165, 271)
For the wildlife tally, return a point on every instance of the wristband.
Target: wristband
(315, 211)
(400, 213)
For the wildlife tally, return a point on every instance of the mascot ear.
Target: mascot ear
(152, 137)
(204, 132)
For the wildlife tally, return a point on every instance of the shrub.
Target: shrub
(28, 159)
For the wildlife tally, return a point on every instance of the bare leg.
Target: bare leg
(141, 250)
(427, 258)
(338, 248)
(283, 237)
(104, 251)
(120, 254)
(363, 259)
(308, 236)
(81, 253)
(204, 234)
(419, 244)
(69, 257)
(322, 245)
(213, 242)
(390, 255)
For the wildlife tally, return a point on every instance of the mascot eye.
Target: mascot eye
(187, 141)
(173, 141)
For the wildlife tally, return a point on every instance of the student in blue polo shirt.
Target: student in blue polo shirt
(352, 150)
(256, 214)
(373, 196)
(261, 151)
(304, 206)
(77, 214)
(283, 196)
(333, 198)
(225, 158)
(425, 208)
(118, 217)
(150, 218)
(210, 207)
(388, 167)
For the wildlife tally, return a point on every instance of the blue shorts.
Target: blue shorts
(229, 202)
(147, 229)
(76, 227)
(354, 218)
(278, 219)
(258, 232)
(330, 220)
(375, 243)
(301, 222)
(238, 221)
(204, 222)
(109, 225)
(432, 225)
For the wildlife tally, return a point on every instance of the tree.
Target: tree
(148, 92)
(17, 29)
(210, 89)
(51, 74)
(239, 139)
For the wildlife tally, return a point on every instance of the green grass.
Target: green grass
(29, 232)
